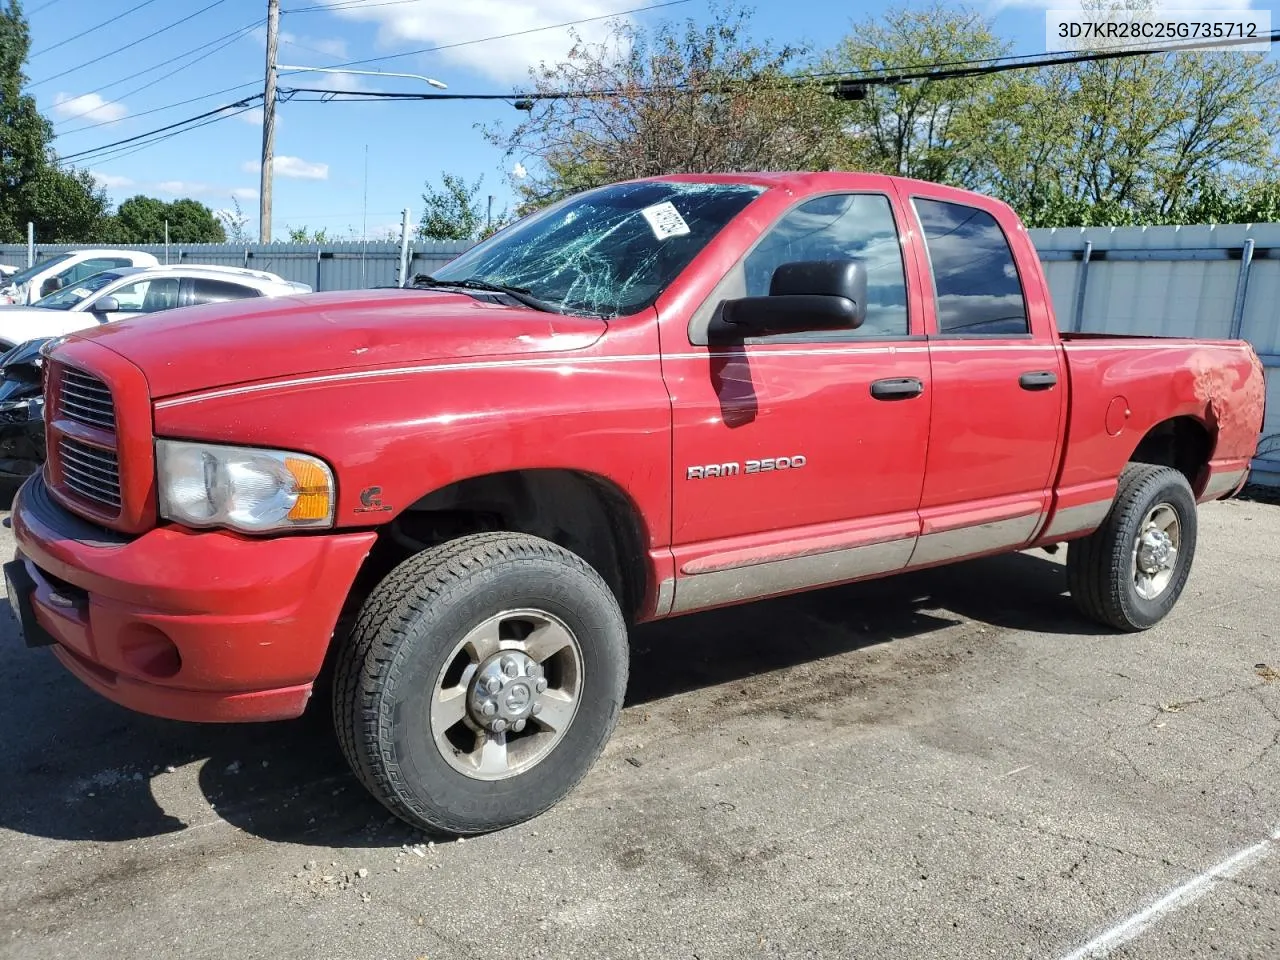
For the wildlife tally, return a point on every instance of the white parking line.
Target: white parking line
(1193, 889)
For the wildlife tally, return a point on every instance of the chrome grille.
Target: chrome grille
(90, 472)
(86, 399)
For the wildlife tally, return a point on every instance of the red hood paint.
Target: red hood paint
(223, 344)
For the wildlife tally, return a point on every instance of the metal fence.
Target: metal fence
(1195, 281)
(327, 266)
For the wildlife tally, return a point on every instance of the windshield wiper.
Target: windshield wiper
(519, 294)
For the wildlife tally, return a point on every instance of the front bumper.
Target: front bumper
(209, 626)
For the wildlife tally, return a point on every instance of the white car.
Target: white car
(29, 285)
(6, 272)
(134, 291)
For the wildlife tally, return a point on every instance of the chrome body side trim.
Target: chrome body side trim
(1078, 519)
(752, 581)
(666, 597)
(978, 538)
(1220, 484)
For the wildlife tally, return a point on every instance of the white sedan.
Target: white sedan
(135, 291)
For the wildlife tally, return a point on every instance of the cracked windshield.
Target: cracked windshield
(609, 252)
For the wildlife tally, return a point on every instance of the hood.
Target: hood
(224, 344)
(19, 324)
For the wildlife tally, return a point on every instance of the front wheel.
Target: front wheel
(1129, 573)
(480, 682)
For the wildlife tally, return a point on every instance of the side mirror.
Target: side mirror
(52, 285)
(106, 305)
(804, 296)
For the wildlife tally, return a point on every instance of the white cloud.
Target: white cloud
(331, 47)
(110, 180)
(334, 48)
(183, 188)
(254, 117)
(439, 22)
(294, 168)
(88, 106)
(245, 193)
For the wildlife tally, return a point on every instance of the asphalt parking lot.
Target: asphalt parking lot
(946, 764)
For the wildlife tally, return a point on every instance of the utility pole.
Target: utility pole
(268, 123)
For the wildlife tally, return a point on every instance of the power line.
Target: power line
(96, 26)
(43, 6)
(150, 83)
(502, 36)
(134, 43)
(168, 106)
(226, 41)
(128, 152)
(883, 77)
(978, 67)
(246, 103)
(347, 5)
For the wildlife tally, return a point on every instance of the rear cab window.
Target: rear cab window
(977, 290)
(219, 291)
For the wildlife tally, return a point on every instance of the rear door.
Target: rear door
(999, 385)
(793, 466)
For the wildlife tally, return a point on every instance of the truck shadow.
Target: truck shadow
(76, 767)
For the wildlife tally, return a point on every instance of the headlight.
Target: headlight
(244, 488)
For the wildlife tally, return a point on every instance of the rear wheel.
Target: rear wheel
(481, 681)
(1129, 573)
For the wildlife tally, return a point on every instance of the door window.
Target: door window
(847, 226)
(218, 291)
(975, 279)
(148, 296)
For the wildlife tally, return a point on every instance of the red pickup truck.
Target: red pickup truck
(649, 399)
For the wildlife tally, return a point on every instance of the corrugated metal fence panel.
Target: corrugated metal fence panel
(1176, 281)
(329, 266)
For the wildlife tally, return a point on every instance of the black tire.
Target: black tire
(386, 675)
(1100, 566)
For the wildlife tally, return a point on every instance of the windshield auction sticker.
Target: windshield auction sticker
(1157, 29)
(665, 220)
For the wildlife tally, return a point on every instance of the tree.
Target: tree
(455, 211)
(235, 223)
(930, 130)
(141, 219)
(689, 99)
(1135, 140)
(63, 204)
(24, 133)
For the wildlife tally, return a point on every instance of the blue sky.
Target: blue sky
(321, 147)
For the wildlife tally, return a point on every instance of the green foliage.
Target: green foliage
(141, 219)
(456, 211)
(931, 130)
(683, 98)
(1164, 138)
(303, 235)
(64, 205)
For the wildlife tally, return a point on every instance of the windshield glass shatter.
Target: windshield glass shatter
(608, 252)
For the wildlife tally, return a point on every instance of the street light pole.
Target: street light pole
(366, 73)
(268, 123)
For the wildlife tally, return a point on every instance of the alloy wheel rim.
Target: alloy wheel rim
(1155, 551)
(507, 694)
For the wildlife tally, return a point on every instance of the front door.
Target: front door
(799, 458)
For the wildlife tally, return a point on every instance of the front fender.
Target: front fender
(393, 437)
